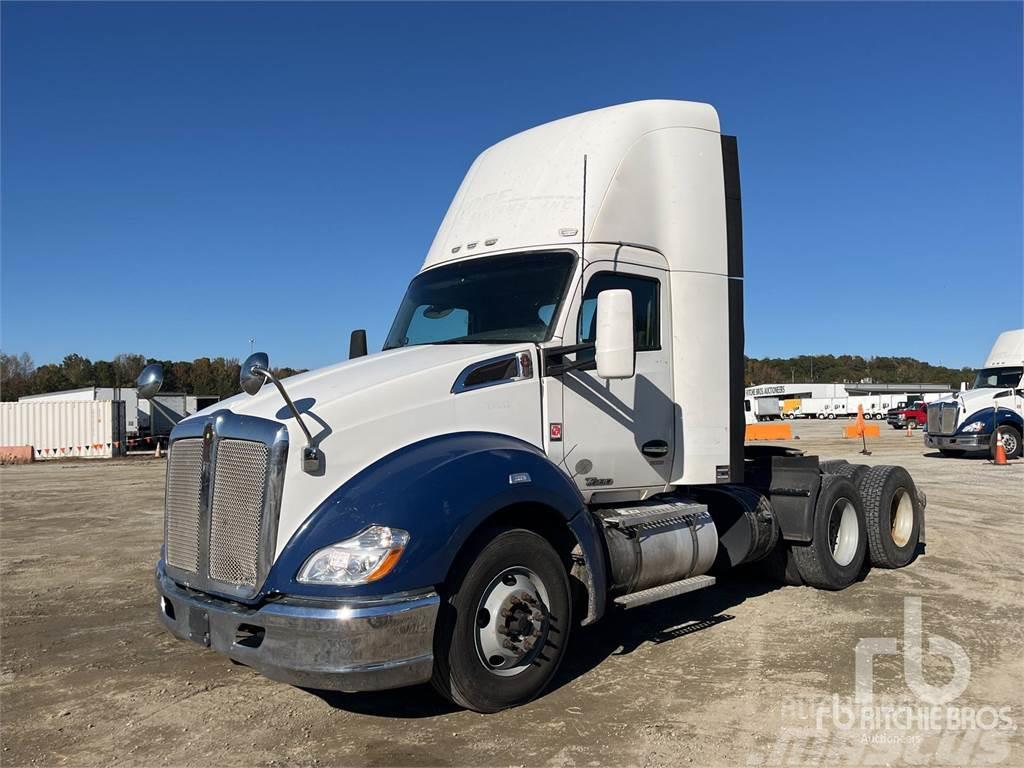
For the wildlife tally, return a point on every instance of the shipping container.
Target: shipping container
(58, 429)
(129, 395)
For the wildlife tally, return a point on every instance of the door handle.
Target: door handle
(655, 449)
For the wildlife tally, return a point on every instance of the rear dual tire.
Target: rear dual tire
(835, 555)
(893, 514)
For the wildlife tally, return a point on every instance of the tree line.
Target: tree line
(203, 376)
(219, 375)
(845, 369)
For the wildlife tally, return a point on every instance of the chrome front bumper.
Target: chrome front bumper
(973, 442)
(346, 645)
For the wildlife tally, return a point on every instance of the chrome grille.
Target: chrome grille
(236, 512)
(183, 504)
(942, 418)
(225, 476)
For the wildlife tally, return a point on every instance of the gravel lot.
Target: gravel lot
(727, 676)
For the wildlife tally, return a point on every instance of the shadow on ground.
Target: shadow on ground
(619, 633)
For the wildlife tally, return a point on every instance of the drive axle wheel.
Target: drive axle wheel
(836, 553)
(892, 513)
(502, 632)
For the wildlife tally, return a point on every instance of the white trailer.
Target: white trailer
(761, 409)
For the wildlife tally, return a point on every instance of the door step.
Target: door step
(652, 514)
(664, 591)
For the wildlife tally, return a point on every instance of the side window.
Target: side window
(646, 323)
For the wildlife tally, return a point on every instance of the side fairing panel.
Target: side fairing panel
(700, 346)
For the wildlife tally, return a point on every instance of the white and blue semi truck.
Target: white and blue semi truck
(552, 431)
(971, 421)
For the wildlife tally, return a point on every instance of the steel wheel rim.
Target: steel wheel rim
(844, 533)
(902, 517)
(512, 609)
(1009, 442)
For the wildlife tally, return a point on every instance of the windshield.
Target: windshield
(493, 299)
(998, 378)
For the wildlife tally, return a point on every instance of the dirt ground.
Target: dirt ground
(745, 674)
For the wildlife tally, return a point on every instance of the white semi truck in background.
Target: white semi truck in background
(553, 430)
(971, 421)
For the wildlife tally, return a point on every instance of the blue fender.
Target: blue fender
(440, 490)
(987, 417)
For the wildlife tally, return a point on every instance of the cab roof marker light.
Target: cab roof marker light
(568, 231)
(491, 241)
(456, 249)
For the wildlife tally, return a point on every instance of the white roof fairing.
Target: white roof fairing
(654, 177)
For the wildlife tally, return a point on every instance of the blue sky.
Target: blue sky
(178, 178)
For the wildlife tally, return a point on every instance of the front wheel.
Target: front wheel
(912, 423)
(1011, 441)
(503, 630)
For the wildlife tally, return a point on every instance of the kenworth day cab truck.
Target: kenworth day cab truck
(553, 430)
(972, 420)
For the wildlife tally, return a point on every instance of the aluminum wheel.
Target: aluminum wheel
(1009, 442)
(843, 531)
(902, 516)
(512, 621)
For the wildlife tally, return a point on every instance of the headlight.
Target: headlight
(975, 426)
(367, 556)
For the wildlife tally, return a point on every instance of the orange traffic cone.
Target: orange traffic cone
(1000, 459)
(157, 454)
(910, 432)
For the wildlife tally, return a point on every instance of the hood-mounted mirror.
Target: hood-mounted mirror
(248, 378)
(150, 381)
(254, 371)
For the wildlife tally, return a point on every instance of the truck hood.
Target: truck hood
(320, 389)
(361, 410)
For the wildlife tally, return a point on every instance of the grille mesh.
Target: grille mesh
(184, 468)
(236, 514)
(942, 418)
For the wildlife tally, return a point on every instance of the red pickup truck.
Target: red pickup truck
(913, 416)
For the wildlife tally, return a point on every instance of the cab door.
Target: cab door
(620, 434)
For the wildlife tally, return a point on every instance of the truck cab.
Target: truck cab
(971, 421)
(553, 430)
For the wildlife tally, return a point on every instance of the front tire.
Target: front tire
(503, 630)
(835, 555)
(1011, 441)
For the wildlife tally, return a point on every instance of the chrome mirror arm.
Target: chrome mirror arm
(310, 454)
